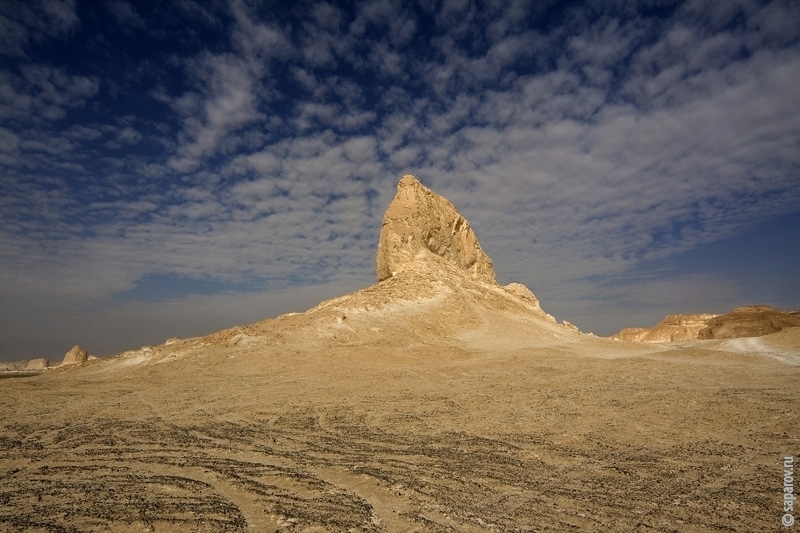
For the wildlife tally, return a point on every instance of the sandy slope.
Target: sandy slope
(425, 403)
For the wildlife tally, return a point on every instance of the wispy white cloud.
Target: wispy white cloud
(44, 92)
(579, 151)
(23, 23)
(125, 14)
(229, 91)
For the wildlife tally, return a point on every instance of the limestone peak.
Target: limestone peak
(421, 226)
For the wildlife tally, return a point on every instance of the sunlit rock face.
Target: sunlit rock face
(749, 321)
(75, 355)
(37, 364)
(673, 328)
(745, 321)
(422, 227)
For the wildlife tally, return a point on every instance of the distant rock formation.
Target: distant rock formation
(75, 355)
(37, 364)
(630, 334)
(749, 321)
(673, 328)
(419, 225)
(745, 321)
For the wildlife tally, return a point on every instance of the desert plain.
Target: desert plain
(435, 400)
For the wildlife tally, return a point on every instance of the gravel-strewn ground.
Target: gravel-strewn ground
(373, 437)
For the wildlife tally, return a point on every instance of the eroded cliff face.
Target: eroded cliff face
(749, 321)
(745, 321)
(673, 328)
(421, 226)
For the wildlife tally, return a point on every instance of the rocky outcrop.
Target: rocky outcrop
(749, 321)
(421, 226)
(523, 293)
(630, 334)
(37, 364)
(435, 285)
(745, 321)
(424, 235)
(673, 328)
(75, 355)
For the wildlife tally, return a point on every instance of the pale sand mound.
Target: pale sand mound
(783, 345)
(418, 306)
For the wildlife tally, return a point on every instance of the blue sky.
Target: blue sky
(170, 169)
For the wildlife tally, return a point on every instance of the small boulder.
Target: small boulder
(75, 355)
(37, 364)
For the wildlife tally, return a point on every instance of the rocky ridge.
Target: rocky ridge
(744, 321)
(673, 328)
(749, 321)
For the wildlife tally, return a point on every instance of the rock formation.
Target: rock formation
(745, 321)
(75, 355)
(523, 293)
(673, 328)
(630, 334)
(435, 286)
(749, 321)
(37, 364)
(419, 226)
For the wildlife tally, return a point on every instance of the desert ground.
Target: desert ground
(331, 427)
(432, 401)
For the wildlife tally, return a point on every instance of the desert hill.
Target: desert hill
(434, 400)
(435, 284)
(744, 321)
(749, 321)
(672, 328)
